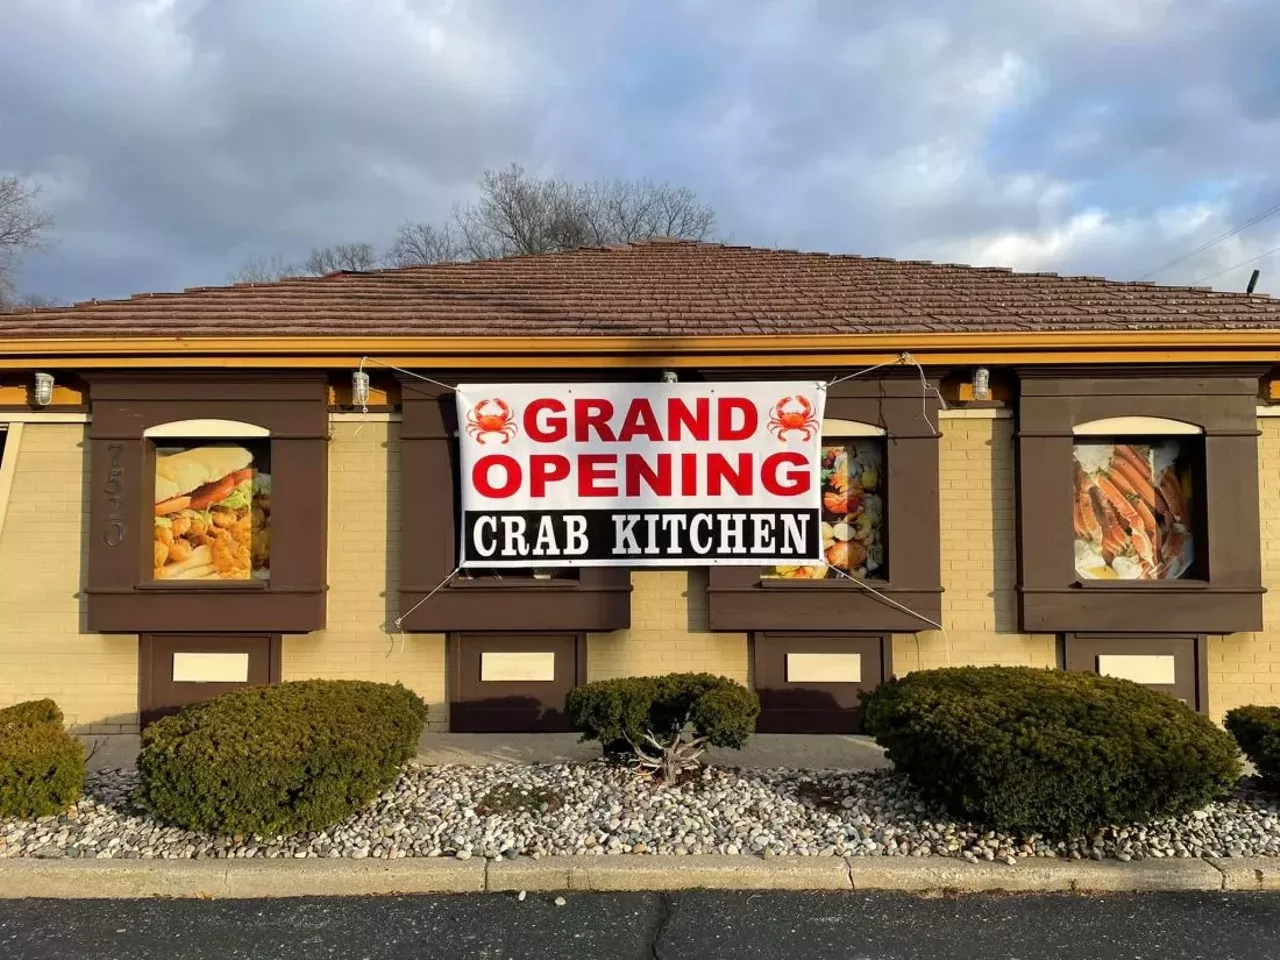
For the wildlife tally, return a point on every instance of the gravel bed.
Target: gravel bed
(597, 809)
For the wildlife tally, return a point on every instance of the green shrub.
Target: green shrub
(286, 758)
(1257, 730)
(619, 713)
(32, 711)
(41, 764)
(1047, 751)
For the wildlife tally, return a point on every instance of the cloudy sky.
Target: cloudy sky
(174, 139)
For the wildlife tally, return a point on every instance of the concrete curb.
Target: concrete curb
(235, 879)
(1256, 873)
(238, 879)
(1040, 875)
(701, 871)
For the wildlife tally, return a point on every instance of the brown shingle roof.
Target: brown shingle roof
(659, 288)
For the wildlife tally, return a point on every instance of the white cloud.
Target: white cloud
(1125, 18)
(174, 137)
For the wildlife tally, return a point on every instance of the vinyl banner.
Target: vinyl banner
(640, 474)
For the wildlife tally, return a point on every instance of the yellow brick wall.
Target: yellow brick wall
(94, 677)
(1245, 667)
(668, 632)
(979, 558)
(43, 651)
(360, 641)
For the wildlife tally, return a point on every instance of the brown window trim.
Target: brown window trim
(494, 583)
(148, 642)
(1076, 659)
(598, 600)
(121, 597)
(227, 586)
(771, 683)
(741, 599)
(519, 576)
(1222, 401)
(514, 640)
(1147, 586)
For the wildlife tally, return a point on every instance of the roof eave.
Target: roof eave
(1119, 346)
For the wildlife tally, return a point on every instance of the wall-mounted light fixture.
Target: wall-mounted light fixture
(981, 384)
(360, 388)
(44, 389)
(669, 376)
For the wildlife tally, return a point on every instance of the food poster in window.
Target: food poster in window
(1132, 510)
(853, 535)
(213, 512)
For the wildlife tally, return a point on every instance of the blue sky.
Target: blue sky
(173, 139)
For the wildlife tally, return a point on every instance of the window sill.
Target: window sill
(494, 583)
(830, 583)
(836, 583)
(1150, 586)
(187, 586)
(1136, 588)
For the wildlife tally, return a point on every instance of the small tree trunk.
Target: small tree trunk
(672, 756)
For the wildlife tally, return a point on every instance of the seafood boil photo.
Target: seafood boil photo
(1131, 511)
(852, 514)
(213, 507)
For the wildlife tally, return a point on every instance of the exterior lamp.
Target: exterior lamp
(44, 389)
(981, 384)
(360, 388)
(669, 376)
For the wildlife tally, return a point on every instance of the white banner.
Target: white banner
(640, 474)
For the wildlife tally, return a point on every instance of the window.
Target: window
(1136, 508)
(853, 513)
(212, 510)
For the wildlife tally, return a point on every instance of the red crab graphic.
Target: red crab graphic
(481, 420)
(783, 420)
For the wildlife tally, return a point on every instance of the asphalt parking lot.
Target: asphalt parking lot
(705, 925)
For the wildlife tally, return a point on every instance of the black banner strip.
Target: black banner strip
(564, 537)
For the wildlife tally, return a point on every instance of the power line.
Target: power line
(1269, 212)
(1243, 263)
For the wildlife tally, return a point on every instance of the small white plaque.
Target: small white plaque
(211, 668)
(824, 667)
(1140, 668)
(500, 666)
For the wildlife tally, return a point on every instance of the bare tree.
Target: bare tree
(264, 270)
(23, 227)
(623, 211)
(321, 260)
(340, 256)
(420, 244)
(30, 301)
(520, 213)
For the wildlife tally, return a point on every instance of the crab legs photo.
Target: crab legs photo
(1131, 511)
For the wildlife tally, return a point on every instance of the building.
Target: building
(1063, 472)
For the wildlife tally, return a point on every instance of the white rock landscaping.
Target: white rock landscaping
(598, 809)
